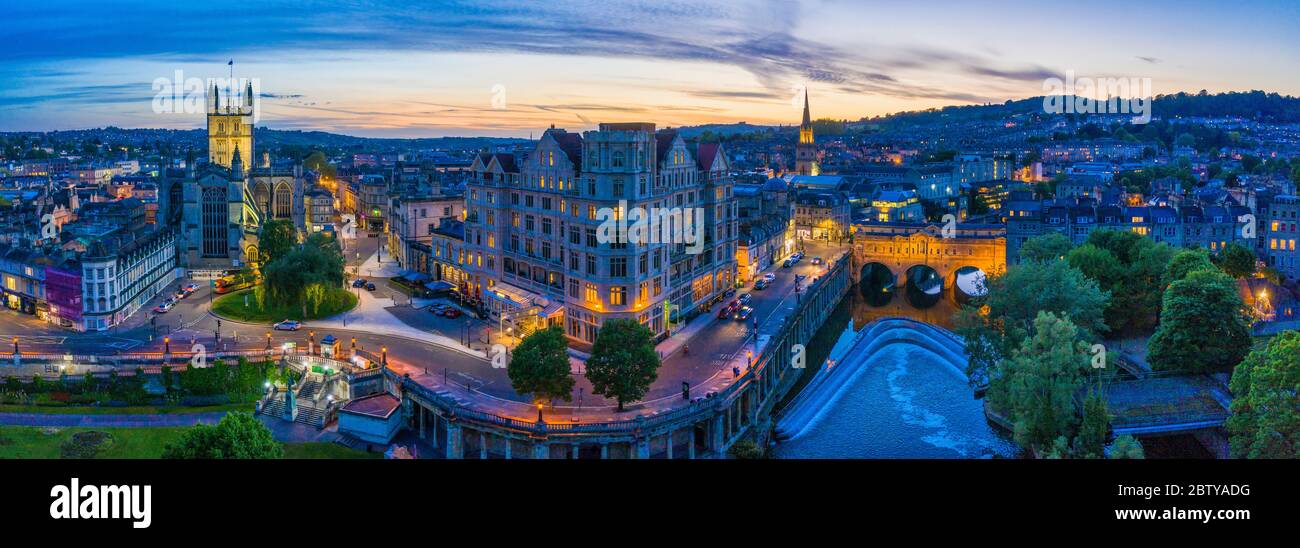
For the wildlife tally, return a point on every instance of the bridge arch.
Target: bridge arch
(924, 286)
(968, 282)
(877, 283)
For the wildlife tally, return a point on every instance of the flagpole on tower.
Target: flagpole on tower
(230, 84)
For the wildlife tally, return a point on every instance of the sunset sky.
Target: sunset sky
(390, 69)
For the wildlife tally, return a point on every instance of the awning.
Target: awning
(440, 286)
(416, 276)
(511, 295)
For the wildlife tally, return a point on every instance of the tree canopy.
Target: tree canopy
(1236, 260)
(1045, 248)
(1265, 421)
(540, 365)
(239, 435)
(1036, 386)
(276, 239)
(623, 361)
(1015, 299)
(1203, 325)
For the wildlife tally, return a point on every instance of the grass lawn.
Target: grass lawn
(337, 301)
(45, 442)
(129, 410)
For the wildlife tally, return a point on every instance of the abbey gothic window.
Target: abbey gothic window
(283, 201)
(215, 221)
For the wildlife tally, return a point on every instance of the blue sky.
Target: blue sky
(383, 68)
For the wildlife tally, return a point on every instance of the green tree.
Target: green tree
(1045, 248)
(1237, 260)
(1187, 261)
(1265, 421)
(1135, 278)
(1126, 447)
(623, 361)
(1202, 325)
(1036, 387)
(1010, 309)
(239, 435)
(275, 240)
(540, 365)
(1091, 441)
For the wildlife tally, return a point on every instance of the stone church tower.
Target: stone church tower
(805, 153)
(230, 127)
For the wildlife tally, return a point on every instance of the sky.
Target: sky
(512, 68)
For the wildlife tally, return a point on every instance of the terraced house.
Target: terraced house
(533, 255)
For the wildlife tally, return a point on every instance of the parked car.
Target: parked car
(726, 311)
(770, 277)
(179, 295)
(359, 282)
(452, 313)
(190, 288)
(164, 308)
(370, 286)
(288, 325)
(744, 299)
(761, 284)
(438, 308)
(743, 313)
(816, 260)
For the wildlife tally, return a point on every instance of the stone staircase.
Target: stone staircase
(307, 414)
(310, 388)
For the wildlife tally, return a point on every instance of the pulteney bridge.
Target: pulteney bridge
(900, 253)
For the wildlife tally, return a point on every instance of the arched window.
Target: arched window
(283, 201)
(215, 222)
(262, 196)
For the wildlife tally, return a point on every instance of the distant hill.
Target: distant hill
(1255, 105)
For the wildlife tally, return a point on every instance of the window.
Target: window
(618, 267)
(592, 295)
(591, 264)
(617, 295)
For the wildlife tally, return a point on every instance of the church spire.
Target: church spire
(807, 117)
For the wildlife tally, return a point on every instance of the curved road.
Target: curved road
(712, 348)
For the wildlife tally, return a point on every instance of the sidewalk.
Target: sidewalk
(372, 268)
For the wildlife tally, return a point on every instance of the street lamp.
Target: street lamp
(167, 345)
(268, 340)
(15, 345)
(749, 356)
(383, 353)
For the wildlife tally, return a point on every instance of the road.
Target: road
(710, 349)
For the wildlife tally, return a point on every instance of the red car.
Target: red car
(726, 311)
(451, 313)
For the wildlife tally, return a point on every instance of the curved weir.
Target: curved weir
(897, 388)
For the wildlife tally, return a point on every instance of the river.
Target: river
(909, 404)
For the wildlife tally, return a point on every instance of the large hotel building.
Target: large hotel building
(531, 232)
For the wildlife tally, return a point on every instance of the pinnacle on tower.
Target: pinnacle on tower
(807, 118)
